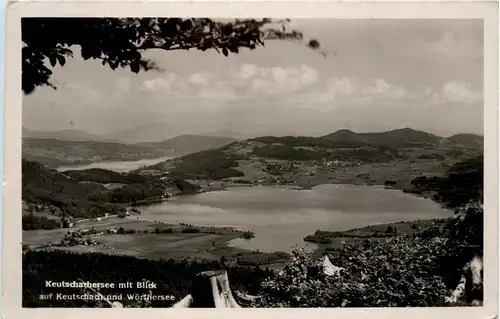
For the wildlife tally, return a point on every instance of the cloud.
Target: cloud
(343, 86)
(199, 79)
(457, 92)
(275, 80)
(379, 87)
(247, 71)
(159, 84)
(356, 91)
(289, 87)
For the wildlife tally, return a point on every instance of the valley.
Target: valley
(56, 151)
(393, 160)
(250, 203)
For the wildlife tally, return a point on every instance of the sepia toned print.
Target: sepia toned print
(249, 163)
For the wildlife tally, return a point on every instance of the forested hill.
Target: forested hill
(344, 148)
(86, 193)
(402, 138)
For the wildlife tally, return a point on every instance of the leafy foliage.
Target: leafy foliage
(401, 271)
(120, 42)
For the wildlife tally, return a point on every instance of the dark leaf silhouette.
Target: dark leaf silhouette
(121, 42)
(61, 60)
(53, 60)
(314, 44)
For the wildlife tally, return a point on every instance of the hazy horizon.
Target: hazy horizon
(378, 75)
(226, 133)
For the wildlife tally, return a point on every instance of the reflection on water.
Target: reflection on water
(281, 217)
(125, 166)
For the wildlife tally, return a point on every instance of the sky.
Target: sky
(378, 75)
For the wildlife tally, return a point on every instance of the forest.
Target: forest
(83, 194)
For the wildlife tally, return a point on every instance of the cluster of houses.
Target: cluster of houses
(78, 237)
(67, 222)
(112, 230)
(279, 168)
(337, 163)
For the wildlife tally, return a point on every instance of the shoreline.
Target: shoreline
(145, 238)
(223, 248)
(210, 243)
(84, 166)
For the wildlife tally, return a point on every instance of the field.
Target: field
(210, 243)
(310, 173)
(167, 246)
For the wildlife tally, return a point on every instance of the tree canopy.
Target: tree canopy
(121, 42)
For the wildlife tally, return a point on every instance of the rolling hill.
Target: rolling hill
(150, 132)
(86, 193)
(67, 135)
(404, 138)
(54, 152)
(399, 138)
(466, 140)
(185, 144)
(294, 156)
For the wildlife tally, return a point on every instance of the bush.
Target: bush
(399, 272)
(190, 230)
(163, 230)
(31, 222)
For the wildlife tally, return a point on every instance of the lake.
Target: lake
(281, 217)
(121, 167)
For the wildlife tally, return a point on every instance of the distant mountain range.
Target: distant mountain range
(159, 131)
(67, 135)
(57, 152)
(151, 132)
(189, 143)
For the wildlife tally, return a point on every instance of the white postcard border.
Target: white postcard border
(12, 250)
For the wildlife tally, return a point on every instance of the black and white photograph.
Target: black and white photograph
(192, 162)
